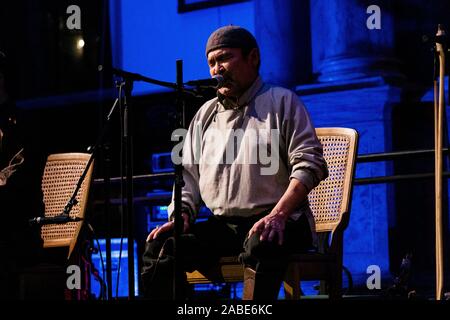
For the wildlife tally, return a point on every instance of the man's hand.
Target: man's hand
(274, 223)
(270, 227)
(168, 226)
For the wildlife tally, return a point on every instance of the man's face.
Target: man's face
(238, 71)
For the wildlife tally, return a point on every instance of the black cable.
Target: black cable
(103, 284)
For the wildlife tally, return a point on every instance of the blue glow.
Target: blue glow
(149, 43)
(162, 162)
(123, 276)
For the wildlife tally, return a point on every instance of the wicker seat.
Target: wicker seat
(330, 203)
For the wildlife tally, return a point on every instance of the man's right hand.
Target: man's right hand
(169, 226)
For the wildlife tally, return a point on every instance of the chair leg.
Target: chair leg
(335, 283)
(249, 283)
(291, 285)
(292, 290)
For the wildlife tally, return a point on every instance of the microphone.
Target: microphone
(216, 82)
(61, 219)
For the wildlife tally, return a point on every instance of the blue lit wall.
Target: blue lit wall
(119, 274)
(148, 36)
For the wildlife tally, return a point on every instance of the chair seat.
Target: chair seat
(229, 269)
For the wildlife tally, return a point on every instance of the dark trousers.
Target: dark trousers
(216, 237)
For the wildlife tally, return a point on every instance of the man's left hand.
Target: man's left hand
(270, 227)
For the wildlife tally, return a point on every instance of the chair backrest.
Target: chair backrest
(61, 174)
(330, 200)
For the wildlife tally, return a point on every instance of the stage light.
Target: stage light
(80, 44)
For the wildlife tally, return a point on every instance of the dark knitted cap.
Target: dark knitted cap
(230, 37)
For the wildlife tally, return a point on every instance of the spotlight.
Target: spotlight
(80, 44)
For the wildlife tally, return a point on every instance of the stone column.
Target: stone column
(282, 32)
(343, 46)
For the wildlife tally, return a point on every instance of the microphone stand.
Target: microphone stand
(73, 201)
(127, 146)
(438, 127)
(179, 182)
(93, 150)
(107, 160)
(129, 77)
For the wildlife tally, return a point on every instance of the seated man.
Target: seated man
(251, 155)
(20, 194)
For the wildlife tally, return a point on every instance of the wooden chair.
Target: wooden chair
(330, 203)
(61, 174)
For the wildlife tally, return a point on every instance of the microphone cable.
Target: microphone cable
(103, 284)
